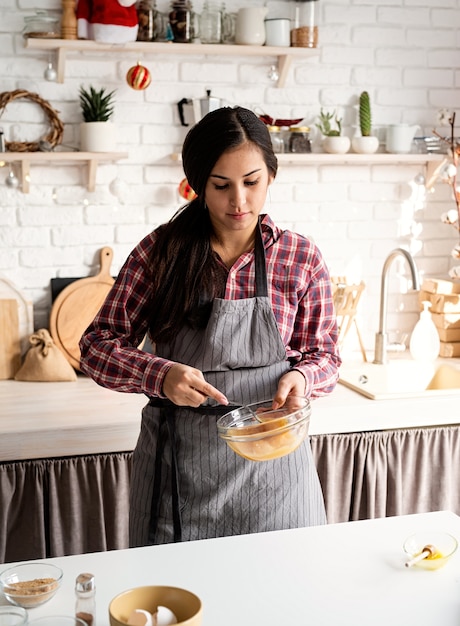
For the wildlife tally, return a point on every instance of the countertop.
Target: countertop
(349, 574)
(42, 420)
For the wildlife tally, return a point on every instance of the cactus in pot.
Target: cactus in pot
(366, 143)
(365, 118)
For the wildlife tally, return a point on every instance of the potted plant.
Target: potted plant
(365, 143)
(333, 142)
(97, 133)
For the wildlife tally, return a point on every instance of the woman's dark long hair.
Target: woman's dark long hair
(183, 269)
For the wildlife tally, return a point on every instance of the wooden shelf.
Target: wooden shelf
(63, 46)
(92, 159)
(432, 162)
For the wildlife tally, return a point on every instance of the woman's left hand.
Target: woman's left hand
(290, 384)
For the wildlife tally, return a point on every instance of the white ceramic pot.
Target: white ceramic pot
(97, 137)
(364, 145)
(336, 145)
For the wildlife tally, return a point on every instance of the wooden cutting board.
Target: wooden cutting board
(10, 346)
(77, 305)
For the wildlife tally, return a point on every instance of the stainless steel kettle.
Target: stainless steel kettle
(200, 107)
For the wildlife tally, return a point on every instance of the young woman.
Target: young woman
(238, 311)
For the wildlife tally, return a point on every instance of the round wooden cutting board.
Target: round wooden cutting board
(77, 305)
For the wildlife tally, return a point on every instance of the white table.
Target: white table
(349, 574)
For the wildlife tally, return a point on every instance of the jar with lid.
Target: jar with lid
(182, 21)
(41, 26)
(85, 598)
(146, 16)
(277, 139)
(211, 23)
(299, 139)
(304, 31)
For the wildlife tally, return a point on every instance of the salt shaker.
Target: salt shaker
(85, 598)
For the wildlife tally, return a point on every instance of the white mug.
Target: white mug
(399, 138)
(278, 32)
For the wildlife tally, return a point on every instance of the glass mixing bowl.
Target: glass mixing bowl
(30, 584)
(259, 433)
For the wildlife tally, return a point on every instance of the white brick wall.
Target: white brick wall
(404, 52)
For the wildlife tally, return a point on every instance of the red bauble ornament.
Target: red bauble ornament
(186, 191)
(138, 77)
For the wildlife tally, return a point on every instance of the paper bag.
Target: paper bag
(44, 361)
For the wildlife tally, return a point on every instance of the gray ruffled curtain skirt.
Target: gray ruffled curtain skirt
(57, 507)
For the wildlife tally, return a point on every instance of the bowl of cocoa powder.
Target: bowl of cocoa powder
(31, 584)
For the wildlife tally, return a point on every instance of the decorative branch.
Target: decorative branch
(449, 175)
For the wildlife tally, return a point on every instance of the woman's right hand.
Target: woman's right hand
(186, 386)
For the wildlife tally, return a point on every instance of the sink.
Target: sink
(401, 378)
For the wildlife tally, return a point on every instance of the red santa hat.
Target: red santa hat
(107, 21)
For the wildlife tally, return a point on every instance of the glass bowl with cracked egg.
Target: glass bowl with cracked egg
(260, 433)
(30, 584)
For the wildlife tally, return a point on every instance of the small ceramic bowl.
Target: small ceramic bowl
(57, 620)
(185, 605)
(31, 584)
(12, 616)
(259, 433)
(445, 546)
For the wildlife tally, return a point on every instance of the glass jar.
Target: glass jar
(228, 25)
(181, 20)
(277, 139)
(304, 31)
(41, 26)
(146, 14)
(299, 139)
(211, 23)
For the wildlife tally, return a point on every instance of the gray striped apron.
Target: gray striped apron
(187, 483)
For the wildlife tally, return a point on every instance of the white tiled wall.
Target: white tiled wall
(406, 53)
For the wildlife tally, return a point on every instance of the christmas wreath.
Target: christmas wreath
(53, 138)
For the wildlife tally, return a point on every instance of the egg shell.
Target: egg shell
(165, 616)
(139, 617)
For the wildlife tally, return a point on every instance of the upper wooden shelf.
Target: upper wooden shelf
(62, 46)
(24, 159)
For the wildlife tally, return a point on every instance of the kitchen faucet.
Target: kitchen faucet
(381, 337)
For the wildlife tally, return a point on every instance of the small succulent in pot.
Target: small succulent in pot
(333, 142)
(96, 105)
(325, 125)
(97, 132)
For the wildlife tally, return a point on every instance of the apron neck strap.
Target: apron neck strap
(261, 287)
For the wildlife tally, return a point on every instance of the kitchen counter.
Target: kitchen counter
(41, 420)
(348, 574)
